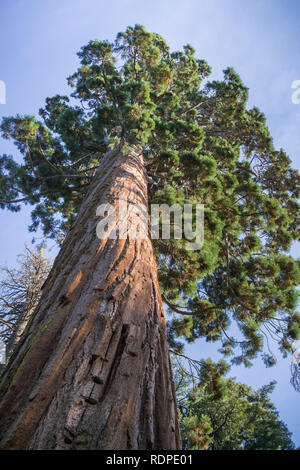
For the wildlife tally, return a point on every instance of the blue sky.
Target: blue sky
(259, 38)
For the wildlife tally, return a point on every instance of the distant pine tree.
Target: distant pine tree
(239, 418)
(20, 290)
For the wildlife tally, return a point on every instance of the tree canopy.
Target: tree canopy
(239, 418)
(201, 144)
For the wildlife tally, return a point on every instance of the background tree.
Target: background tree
(199, 143)
(20, 290)
(239, 418)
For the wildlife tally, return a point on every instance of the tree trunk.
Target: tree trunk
(92, 369)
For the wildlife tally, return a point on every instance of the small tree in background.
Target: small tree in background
(144, 125)
(20, 291)
(238, 418)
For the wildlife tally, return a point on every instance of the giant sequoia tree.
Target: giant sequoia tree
(92, 370)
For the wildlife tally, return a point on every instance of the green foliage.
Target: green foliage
(200, 144)
(239, 418)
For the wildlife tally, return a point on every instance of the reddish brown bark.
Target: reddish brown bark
(92, 370)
